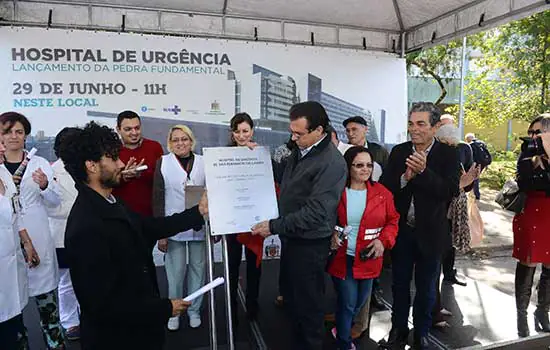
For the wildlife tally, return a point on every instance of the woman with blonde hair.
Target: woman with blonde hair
(185, 252)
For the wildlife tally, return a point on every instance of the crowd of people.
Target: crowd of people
(78, 235)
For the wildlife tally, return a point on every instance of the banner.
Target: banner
(61, 78)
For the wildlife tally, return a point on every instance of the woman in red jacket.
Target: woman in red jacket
(367, 208)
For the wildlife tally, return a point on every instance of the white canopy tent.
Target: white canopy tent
(379, 25)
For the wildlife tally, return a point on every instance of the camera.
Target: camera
(532, 147)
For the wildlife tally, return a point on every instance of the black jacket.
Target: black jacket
(310, 190)
(432, 190)
(531, 179)
(110, 253)
(379, 154)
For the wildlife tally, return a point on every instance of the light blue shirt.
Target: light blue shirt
(356, 203)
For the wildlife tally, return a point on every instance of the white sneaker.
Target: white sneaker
(174, 323)
(194, 321)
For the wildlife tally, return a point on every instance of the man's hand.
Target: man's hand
(40, 178)
(377, 249)
(261, 229)
(417, 162)
(203, 204)
(179, 306)
(129, 171)
(163, 245)
(409, 174)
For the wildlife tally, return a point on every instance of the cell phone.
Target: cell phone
(365, 254)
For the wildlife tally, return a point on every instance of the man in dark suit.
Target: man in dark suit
(423, 175)
(109, 249)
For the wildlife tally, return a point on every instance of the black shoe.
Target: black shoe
(543, 303)
(452, 279)
(376, 301)
(396, 340)
(420, 343)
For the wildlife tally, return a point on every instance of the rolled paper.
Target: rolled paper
(206, 288)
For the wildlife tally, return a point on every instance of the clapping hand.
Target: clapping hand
(416, 162)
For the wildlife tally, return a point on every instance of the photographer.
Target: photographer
(531, 242)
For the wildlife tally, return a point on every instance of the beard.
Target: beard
(110, 179)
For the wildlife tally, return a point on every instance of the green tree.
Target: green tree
(442, 63)
(513, 73)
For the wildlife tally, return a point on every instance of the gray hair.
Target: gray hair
(449, 134)
(435, 113)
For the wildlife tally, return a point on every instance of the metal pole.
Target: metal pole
(210, 278)
(230, 339)
(461, 100)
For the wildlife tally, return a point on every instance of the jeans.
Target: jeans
(476, 189)
(68, 305)
(351, 296)
(406, 257)
(306, 260)
(177, 265)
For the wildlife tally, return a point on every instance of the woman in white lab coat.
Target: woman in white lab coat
(14, 293)
(185, 252)
(37, 190)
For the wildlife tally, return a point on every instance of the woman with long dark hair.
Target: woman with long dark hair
(242, 133)
(531, 240)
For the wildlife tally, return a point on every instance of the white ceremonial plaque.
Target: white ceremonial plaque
(241, 189)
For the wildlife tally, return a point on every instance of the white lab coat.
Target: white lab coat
(58, 215)
(14, 292)
(45, 277)
(175, 180)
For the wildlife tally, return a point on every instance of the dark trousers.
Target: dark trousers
(9, 332)
(406, 257)
(448, 263)
(253, 273)
(306, 261)
(283, 272)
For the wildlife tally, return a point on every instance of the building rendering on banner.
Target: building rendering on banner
(339, 110)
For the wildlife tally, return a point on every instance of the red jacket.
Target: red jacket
(380, 220)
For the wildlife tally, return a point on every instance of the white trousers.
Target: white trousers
(68, 305)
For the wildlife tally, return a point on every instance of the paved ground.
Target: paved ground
(483, 312)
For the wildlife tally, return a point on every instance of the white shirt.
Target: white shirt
(306, 150)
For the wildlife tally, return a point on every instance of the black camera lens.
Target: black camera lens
(532, 147)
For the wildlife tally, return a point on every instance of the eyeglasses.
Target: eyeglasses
(176, 140)
(362, 165)
(534, 132)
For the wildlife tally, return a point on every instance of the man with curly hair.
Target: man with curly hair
(109, 249)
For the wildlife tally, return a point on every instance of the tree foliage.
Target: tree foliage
(442, 63)
(513, 72)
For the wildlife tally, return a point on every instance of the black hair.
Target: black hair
(350, 155)
(313, 111)
(61, 136)
(11, 118)
(90, 143)
(435, 113)
(126, 115)
(234, 123)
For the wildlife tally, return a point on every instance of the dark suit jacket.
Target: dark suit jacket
(379, 154)
(432, 191)
(110, 253)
